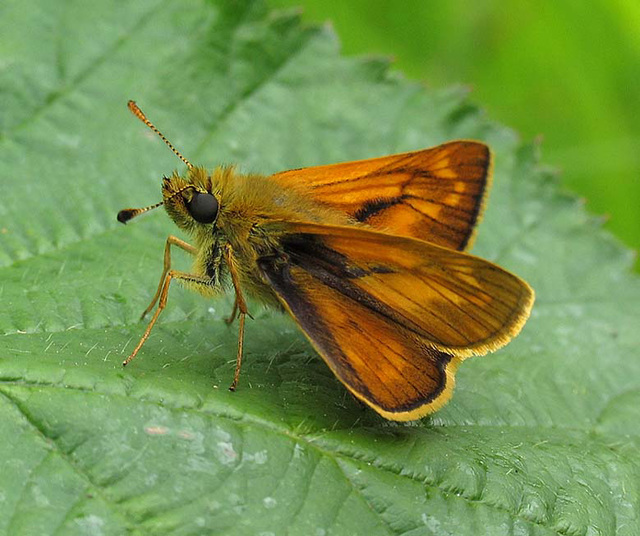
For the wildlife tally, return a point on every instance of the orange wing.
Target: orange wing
(393, 316)
(436, 195)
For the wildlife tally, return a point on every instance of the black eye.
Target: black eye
(203, 207)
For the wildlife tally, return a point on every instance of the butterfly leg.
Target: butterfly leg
(241, 306)
(192, 279)
(171, 241)
(229, 320)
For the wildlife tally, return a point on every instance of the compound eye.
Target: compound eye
(203, 207)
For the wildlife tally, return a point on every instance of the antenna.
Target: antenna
(127, 214)
(140, 115)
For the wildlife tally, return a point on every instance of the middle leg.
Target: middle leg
(241, 306)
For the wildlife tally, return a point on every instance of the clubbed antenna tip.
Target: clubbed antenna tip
(127, 214)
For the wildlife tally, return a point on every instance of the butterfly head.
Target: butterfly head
(191, 201)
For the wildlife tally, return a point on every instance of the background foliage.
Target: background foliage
(552, 67)
(540, 438)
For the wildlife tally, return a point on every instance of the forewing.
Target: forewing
(393, 316)
(436, 195)
(459, 303)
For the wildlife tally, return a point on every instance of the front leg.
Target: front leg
(171, 241)
(163, 291)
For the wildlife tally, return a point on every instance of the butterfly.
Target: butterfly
(368, 257)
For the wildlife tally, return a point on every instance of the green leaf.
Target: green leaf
(540, 438)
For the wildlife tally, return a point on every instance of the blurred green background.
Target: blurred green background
(566, 70)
